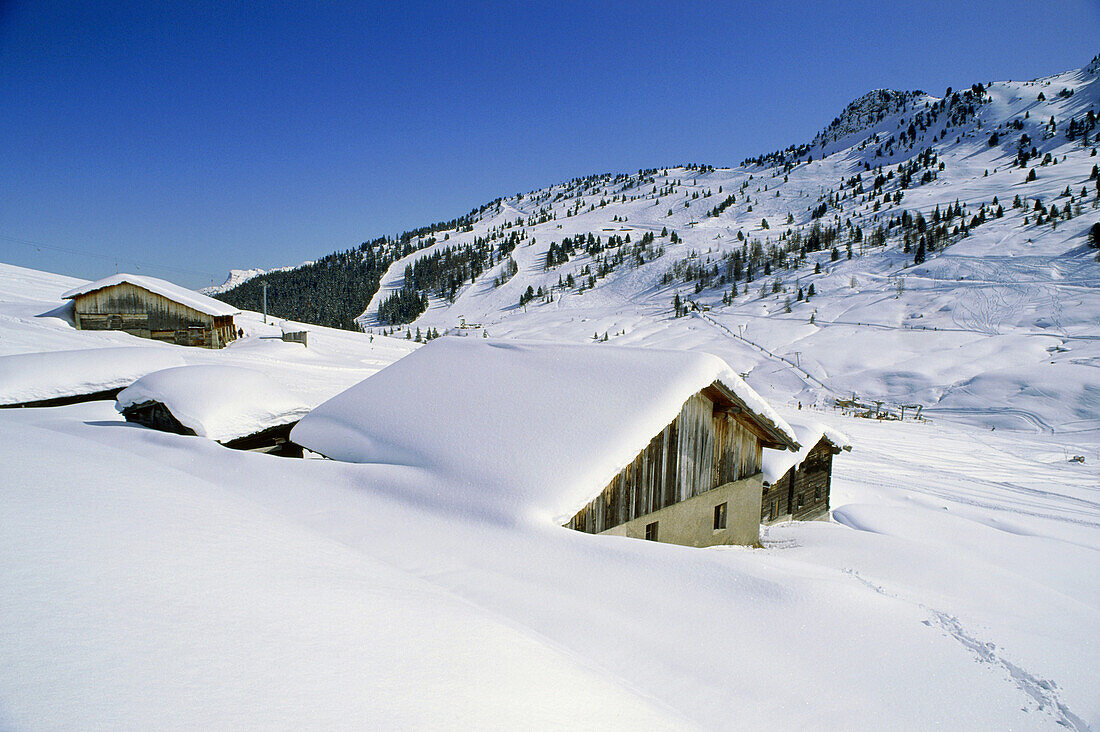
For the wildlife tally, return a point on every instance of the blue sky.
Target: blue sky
(182, 140)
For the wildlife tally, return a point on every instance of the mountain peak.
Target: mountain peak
(1094, 65)
(865, 112)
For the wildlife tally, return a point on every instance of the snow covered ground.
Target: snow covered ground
(158, 580)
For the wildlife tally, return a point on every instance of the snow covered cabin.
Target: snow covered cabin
(797, 485)
(153, 308)
(655, 444)
(237, 407)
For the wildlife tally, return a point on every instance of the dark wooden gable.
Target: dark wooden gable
(803, 491)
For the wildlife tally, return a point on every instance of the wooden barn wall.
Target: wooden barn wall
(803, 491)
(811, 485)
(697, 452)
(150, 315)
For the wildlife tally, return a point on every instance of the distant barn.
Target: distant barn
(153, 308)
(797, 486)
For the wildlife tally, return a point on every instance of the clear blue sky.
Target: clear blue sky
(208, 136)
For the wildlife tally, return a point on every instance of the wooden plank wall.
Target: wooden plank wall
(695, 453)
(803, 491)
(811, 485)
(150, 315)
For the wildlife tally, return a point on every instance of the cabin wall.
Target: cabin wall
(697, 452)
(691, 522)
(811, 486)
(802, 493)
(140, 312)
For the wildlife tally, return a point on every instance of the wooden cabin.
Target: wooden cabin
(801, 491)
(152, 308)
(696, 483)
(653, 444)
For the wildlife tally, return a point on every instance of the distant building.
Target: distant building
(153, 308)
(797, 486)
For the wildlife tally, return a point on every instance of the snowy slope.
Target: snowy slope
(240, 276)
(963, 334)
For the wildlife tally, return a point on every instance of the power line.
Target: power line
(116, 260)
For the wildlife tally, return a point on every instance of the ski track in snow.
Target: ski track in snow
(1042, 692)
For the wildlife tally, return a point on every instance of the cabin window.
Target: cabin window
(720, 516)
(801, 500)
(651, 531)
(817, 493)
(775, 509)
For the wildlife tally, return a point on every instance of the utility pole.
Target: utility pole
(264, 283)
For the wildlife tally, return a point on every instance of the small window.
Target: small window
(775, 509)
(651, 531)
(817, 493)
(720, 516)
(801, 500)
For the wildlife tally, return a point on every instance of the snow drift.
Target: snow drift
(32, 377)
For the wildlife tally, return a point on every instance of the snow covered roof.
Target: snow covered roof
(172, 291)
(775, 464)
(521, 426)
(218, 402)
(31, 377)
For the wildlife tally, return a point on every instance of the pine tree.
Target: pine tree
(1094, 235)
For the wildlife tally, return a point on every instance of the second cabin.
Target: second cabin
(797, 486)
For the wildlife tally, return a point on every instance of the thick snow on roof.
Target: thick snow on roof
(32, 377)
(809, 432)
(219, 402)
(518, 426)
(172, 291)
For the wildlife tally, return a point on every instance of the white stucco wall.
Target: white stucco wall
(691, 522)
